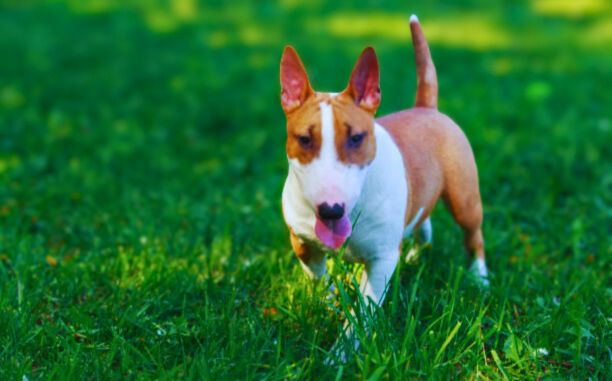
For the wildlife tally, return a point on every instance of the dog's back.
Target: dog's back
(438, 158)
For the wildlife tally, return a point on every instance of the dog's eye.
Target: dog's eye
(305, 141)
(356, 139)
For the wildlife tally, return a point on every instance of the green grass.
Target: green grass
(142, 159)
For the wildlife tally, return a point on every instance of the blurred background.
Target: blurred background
(114, 112)
(133, 126)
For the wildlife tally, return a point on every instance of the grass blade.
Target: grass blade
(447, 341)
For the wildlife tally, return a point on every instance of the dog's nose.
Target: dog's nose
(331, 212)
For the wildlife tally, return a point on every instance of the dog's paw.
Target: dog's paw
(335, 358)
(343, 348)
(480, 272)
(338, 354)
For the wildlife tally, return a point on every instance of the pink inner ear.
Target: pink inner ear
(367, 93)
(290, 102)
(371, 96)
(364, 81)
(293, 90)
(294, 81)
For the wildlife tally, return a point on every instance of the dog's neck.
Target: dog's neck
(386, 175)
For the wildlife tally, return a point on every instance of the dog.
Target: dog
(373, 180)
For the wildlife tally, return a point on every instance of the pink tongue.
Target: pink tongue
(333, 233)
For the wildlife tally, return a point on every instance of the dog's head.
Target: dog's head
(330, 140)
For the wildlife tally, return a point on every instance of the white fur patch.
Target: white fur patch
(380, 212)
(328, 151)
(427, 231)
(408, 229)
(479, 268)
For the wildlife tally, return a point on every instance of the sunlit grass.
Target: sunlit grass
(572, 8)
(477, 31)
(160, 16)
(11, 97)
(8, 163)
(599, 34)
(185, 9)
(473, 31)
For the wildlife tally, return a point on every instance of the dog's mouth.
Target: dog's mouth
(333, 233)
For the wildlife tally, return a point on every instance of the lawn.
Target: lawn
(142, 160)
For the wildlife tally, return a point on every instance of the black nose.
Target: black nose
(331, 212)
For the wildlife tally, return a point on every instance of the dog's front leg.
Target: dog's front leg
(311, 258)
(374, 281)
(376, 277)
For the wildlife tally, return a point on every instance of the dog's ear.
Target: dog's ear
(295, 87)
(364, 85)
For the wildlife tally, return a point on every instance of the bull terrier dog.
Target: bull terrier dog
(375, 180)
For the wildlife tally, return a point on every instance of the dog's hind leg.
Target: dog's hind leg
(468, 214)
(462, 196)
(423, 240)
(426, 232)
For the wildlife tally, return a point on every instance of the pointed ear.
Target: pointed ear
(295, 87)
(364, 85)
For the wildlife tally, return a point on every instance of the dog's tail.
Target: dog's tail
(427, 80)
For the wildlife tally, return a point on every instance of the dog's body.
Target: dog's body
(375, 180)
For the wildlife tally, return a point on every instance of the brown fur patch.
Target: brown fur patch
(350, 120)
(304, 121)
(304, 251)
(439, 162)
